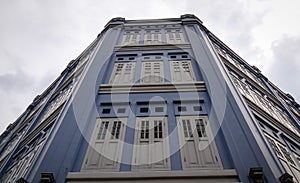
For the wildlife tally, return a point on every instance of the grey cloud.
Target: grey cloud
(286, 66)
(12, 81)
(233, 23)
(41, 37)
(17, 91)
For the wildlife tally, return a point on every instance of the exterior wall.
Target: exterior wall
(135, 71)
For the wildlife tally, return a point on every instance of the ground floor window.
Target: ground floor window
(197, 147)
(151, 148)
(106, 144)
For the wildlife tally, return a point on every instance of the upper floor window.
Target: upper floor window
(243, 88)
(152, 37)
(181, 71)
(285, 157)
(123, 73)
(26, 155)
(174, 36)
(24, 164)
(152, 72)
(131, 37)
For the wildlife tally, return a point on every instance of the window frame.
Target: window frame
(150, 73)
(131, 37)
(102, 141)
(127, 71)
(142, 145)
(190, 141)
(177, 69)
(175, 36)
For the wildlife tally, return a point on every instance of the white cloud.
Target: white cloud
(285, 68)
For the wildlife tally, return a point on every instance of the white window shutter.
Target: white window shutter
(152, 38)
(175, 37)
(106, 145)
(152, 72)
(131, 38)
(284, 157)
(198, 151)
(181, 71)
(123, 73)
(23, 165)
(151, 149)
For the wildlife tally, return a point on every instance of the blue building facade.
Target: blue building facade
(159, 100)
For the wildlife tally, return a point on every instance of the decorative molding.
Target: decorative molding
(162, 46)
(153, 88)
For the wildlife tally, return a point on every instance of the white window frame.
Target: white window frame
(284, 156)
(22, 167)
(243, 88)
(152, 37)
(105, 150)
(131, 38)
(182, 71)
(123, 73)
(197, 147)
(152, 72)
(151, 150)
(10, 146)
(175, 36)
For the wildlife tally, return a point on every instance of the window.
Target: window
(243, 88)
(152, 72)
(184, 56)
(181, 71)
(159, 109)
(181, 108)
(144, 110)
(121, 110)
(105, 147)
(151, 145)
(284, 157)
(284, 119)
(106, 111)
(26, 155)
(131, 37)
(152, 37)
(10, 146)
(197, 148)
(123, 73)
(175, 36)
(21, 168)
(197, 108)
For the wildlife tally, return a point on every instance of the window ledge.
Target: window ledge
(187, 176)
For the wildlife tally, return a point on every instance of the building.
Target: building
(156, 101)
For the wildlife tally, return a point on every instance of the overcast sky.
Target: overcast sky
(39, 38)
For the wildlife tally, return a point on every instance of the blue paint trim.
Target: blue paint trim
(175, 158)
(127, 152)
